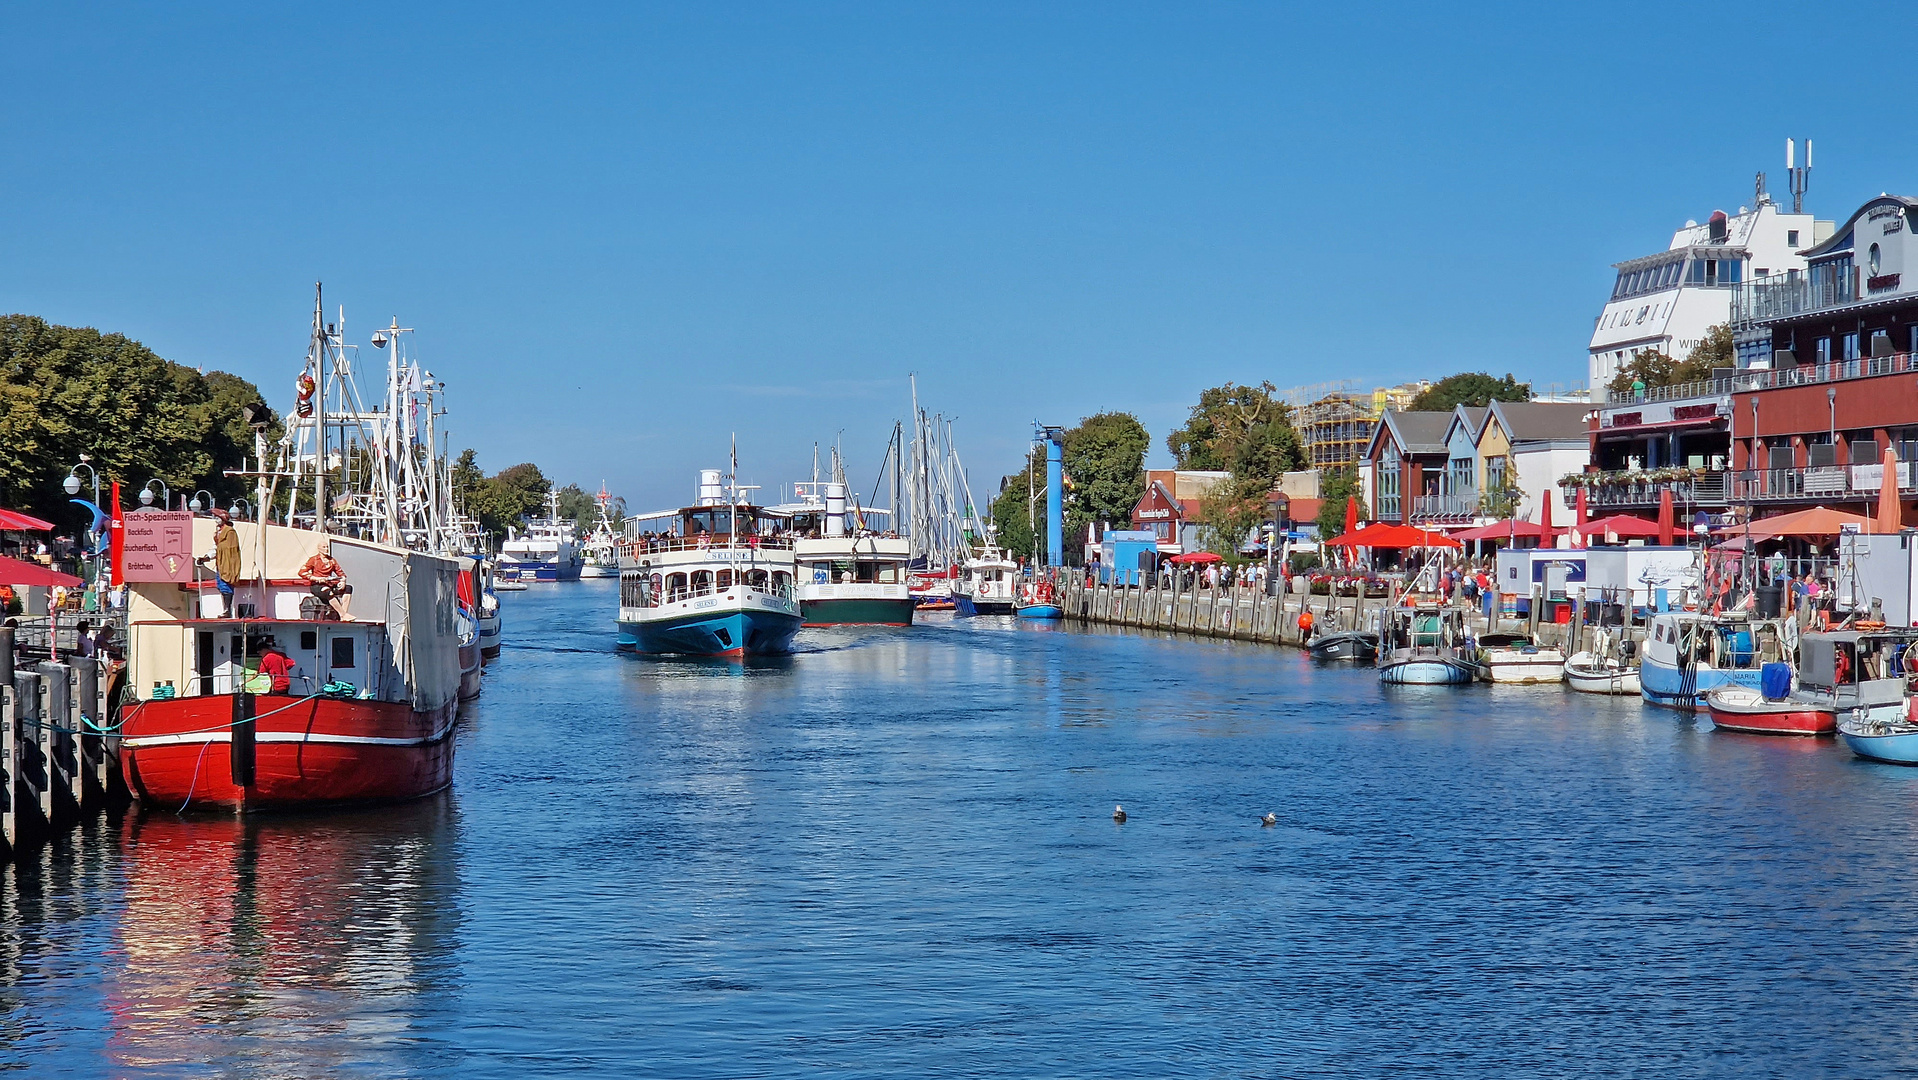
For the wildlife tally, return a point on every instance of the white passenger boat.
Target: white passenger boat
(1517, 659)
(548, 551)
(719, 583)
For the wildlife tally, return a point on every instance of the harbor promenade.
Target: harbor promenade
(1242, 614)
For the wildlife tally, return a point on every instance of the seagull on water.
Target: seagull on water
(1118, 814)
(1269, 819)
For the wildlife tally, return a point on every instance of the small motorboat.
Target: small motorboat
(1741, 708)
(1037, 601)
(1518, 660)
(1427, 645)
(1362, 645)
(1590, 673)
(1883, 733)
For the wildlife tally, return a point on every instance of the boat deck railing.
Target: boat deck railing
(655, 545)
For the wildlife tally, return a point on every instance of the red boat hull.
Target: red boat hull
(1799, 721)
(307, 751)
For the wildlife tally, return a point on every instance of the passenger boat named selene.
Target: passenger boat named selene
(365, 713)
(719, 584)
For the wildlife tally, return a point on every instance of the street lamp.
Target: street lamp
(146, 494)
(198, 504)
(236, 509)
(71, 485)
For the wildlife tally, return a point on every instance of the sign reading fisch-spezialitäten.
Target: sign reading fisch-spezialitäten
(157, 546)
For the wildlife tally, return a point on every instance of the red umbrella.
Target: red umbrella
(1578, 519)
(15, 521)
(1623, 526)
(1351, 514)
(1405, 536)
(1360, 538)
(1665, 517)
(15, 572)
(1891, 516)
(1195, 557)
(1546, 538)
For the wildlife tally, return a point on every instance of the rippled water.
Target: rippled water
(893, 855)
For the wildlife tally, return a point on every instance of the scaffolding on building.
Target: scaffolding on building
(1335, 420)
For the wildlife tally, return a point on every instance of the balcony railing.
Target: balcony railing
(1770, 298)
(1435, 507)
(1639, 488)
(1745, 382)
(1819, 482)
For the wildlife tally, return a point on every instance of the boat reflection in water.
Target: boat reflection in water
(297, 946)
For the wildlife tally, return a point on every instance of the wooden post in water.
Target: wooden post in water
(31, 776)
(59, 716)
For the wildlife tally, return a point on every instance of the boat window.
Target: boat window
(726, 579)
(676, 587)
(756, 579)
(782, 583)
(888, 574)
(342, 652)
(702, 582)
(868, 572)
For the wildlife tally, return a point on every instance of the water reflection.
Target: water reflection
(281, 946)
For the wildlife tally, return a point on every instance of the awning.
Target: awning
(16, 572)
(1817, 521)
(1194, 557)
(1623, 526)
(15, 521)
(1499, 530)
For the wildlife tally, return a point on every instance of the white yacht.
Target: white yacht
(548, 551)
(988, 583)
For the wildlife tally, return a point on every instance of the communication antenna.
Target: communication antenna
(1800, 177)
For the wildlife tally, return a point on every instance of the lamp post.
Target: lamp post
(146, 494)
(236, 511)
(71, 485)
(198, 504)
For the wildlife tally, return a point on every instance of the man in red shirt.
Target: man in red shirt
(277, 664)
(328, 579)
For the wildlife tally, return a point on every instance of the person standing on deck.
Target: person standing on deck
(277, 665)
(226, 560)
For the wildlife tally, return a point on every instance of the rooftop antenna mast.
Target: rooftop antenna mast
(1800, 178)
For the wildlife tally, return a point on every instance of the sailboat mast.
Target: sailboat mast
(319, 410)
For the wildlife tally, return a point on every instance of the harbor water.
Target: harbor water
(894, 854)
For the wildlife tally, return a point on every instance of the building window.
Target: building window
(1873, 259)
(1388, 485)
(1824, 350)
(1851, 345)
(1791, 237)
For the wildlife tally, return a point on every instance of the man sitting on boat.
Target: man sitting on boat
(328, 580)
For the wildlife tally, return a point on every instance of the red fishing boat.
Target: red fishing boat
(364, 712)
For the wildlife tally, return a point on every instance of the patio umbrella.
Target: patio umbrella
(1891, 516)
(1665, 517)
(1620, 527)
(1498, 530)
(1819, 521)
(15, 572)
(1580, 533)
(1351, 514)
(1361, 538)
(1405, 536)
(15, 521)
(1194, 557)
(1546, 539)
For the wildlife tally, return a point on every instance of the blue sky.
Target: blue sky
(624, 233)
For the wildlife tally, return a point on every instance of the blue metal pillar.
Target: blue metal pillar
(1055, 497)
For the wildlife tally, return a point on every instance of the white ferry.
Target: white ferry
(718, 583)
(549, 551)
(600, 550)
(847, 576)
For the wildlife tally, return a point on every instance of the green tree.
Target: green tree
(67, 391)
(1335, 487)
(1011, 524)
(1474, 388)
(1654, 369)
(1229, 513)
(1243, 430)
(576, 506)
(1502, 499)
(1104, 460)
(500, 501)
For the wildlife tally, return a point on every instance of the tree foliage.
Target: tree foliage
(1229, 513)
(1336, 486)
(1243, 430)
(1652, 368)
(576, 506)
(500, 501)
(1474, 388)
(1104, 464)
(67, 391)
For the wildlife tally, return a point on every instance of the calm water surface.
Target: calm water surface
(893, 855)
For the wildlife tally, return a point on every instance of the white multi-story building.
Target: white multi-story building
(1668, 301)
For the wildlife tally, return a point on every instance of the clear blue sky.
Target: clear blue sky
(624, 233)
